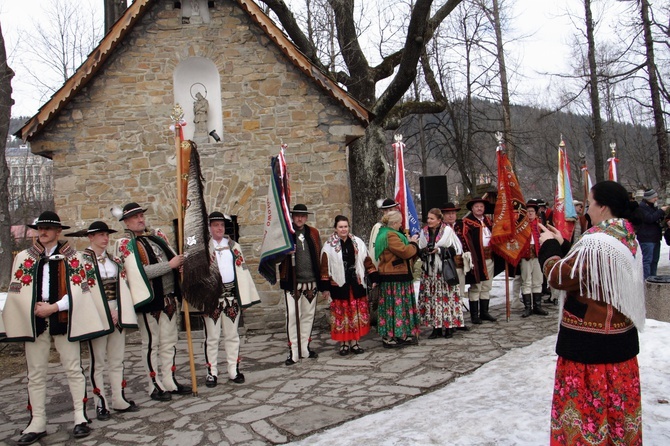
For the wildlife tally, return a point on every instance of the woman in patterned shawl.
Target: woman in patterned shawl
(344, 263)
(398, 318)
(439, 302)
(596, 397)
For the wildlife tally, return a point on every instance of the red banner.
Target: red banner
(511, 231)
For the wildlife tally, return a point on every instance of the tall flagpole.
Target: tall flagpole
(508, 307)
(177, 117)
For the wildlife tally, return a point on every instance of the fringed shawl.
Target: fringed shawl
(382, 241)
(333, 249)
(445, 238)
(609, 263)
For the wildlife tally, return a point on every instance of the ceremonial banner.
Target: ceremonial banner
(201, 279)
(564, 214)
(278, 234)
(403, 196)
(511, 231)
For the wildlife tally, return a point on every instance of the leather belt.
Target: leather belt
(487, 252)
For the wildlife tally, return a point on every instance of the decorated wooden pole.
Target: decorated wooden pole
(182, 180)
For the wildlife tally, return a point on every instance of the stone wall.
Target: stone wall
(112, 143)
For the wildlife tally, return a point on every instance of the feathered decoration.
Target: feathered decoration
(201, 283)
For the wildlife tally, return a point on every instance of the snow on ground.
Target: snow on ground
(508, 400)
(505, 402)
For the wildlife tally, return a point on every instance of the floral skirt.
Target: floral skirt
(397, 314)
(596, 404)
(439, 303)
(349, 319)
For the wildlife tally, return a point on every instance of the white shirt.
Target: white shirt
(64, 302)
(486, 233)
(224, 258)
(106, 267)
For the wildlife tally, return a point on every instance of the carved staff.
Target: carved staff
(182, 180)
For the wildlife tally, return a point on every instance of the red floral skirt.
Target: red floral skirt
(596, 404)
(349, 319)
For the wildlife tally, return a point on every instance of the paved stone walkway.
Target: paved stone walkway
(277, 404)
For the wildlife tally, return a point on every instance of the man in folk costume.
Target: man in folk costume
(301, 295)
(50, 298)
(152, 268)
(477, 247)
(531, 273)
(108, 281)
(239, 292)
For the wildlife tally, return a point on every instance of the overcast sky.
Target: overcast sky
(544, 48)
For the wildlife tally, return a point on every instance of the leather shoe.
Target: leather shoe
(132, 408)
(161, 395)
(102, 414)
(210, 381)
(30, 438)
(289, 361)
(239, 379)
(81, 430)
(182, 390)
(313, 354)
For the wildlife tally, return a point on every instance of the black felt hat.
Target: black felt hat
(300, 209)
(449, 207)
(388, 203)
(131, 209)
(48, 219)
(475, 200)
(94, 228)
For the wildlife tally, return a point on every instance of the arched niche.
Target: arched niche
(193, 75)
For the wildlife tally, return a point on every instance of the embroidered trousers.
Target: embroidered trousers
(231, 342)
(159, 349)
(482, 289)
(107, 353)
(531, 276)
(302, 317)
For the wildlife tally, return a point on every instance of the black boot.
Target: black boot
(527, 311)
(537, 305)
(448, 333)
(437, 332)
(474, 312)
(484, 311)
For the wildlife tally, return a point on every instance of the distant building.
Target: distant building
(30, 183)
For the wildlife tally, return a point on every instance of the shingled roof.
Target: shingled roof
(125, 24)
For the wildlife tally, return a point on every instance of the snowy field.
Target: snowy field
(508, 400)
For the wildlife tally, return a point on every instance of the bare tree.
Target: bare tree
(367, 168)
(58, 45)
(6, 102)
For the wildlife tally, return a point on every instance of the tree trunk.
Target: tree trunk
(504, 88)
(596, 120)
(368, 173)
(656, 105)
(6, 75)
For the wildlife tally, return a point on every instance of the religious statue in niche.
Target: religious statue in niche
(200, 110)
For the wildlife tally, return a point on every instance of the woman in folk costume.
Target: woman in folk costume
(398, 318)
(597, 385)
(344, 263)
(439, 302)
(107, 280)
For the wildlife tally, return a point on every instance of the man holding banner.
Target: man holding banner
(299, 278)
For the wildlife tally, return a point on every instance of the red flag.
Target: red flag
(511, 232)
(410, 219)
(613, 176)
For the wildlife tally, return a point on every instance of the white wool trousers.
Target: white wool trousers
(300, 315)
(159, 349)
(231, 343)
(37, 359)
(481, 290)
(531, 276)
(107, 354)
